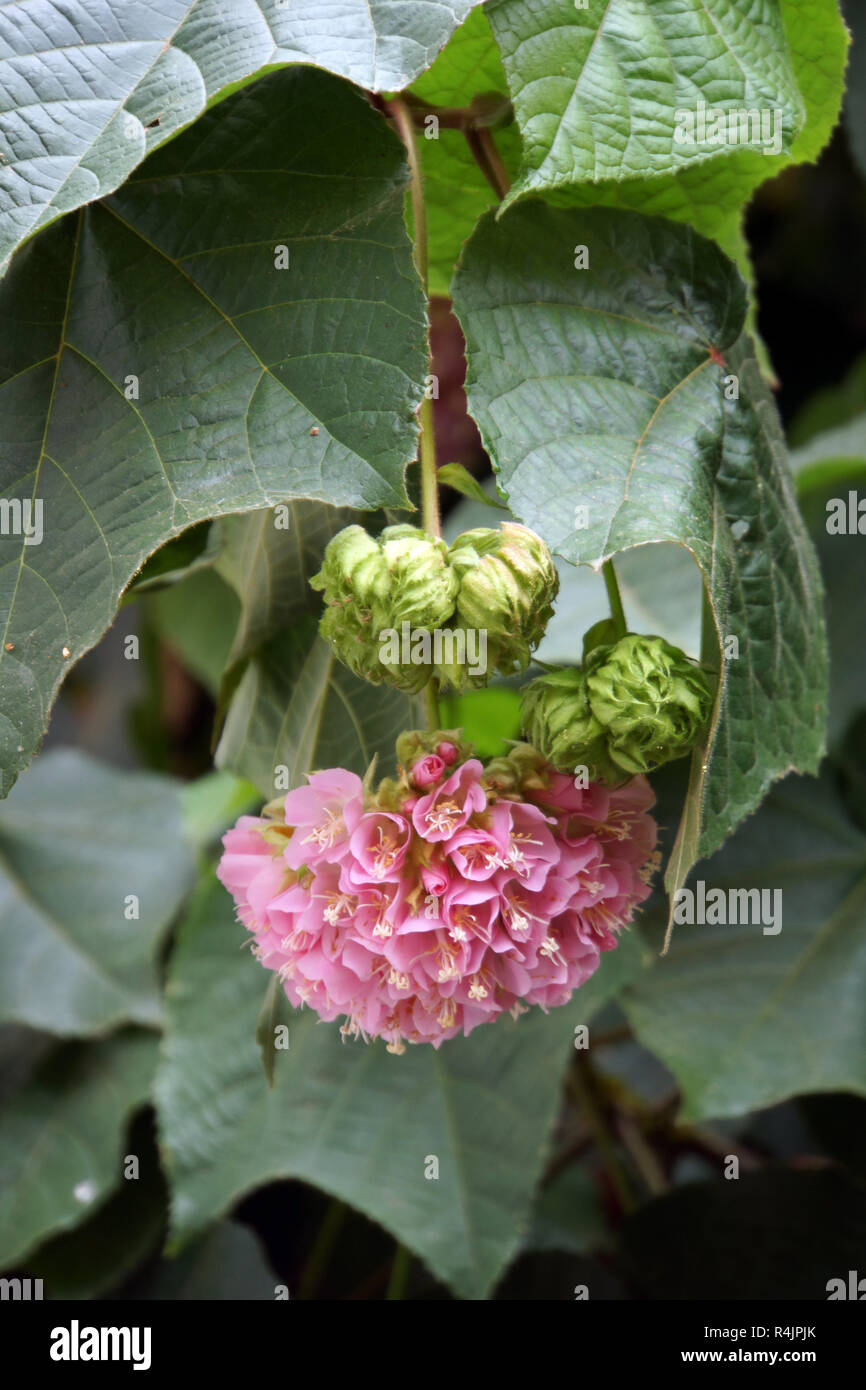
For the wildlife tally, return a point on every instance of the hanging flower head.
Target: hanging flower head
(447, 896)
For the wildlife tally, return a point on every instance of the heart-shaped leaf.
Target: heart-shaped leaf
(616, 393)
(268, 559)
(292, 706)
(102, 1251)
(746, 1017)
(241, 324)
(597, 91)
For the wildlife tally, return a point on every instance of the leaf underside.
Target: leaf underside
(92, 87)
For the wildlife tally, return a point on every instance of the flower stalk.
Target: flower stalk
(430, 520)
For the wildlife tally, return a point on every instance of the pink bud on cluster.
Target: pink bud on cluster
(443, 899)
(427, 770)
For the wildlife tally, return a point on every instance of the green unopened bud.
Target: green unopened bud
(636, 704)
(419, 599)
(521, 768)
(501, 774)
(558, 721)
(652, 700)
(353, 571)
(354, 580)
(507, 585)
(422, 586)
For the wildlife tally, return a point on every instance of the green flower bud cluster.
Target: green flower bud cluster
(635, 704)
(508, 582)
(403, 606)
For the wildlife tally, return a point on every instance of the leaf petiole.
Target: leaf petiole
(617, 612)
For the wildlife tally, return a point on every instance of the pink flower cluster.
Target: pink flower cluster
(444, 899)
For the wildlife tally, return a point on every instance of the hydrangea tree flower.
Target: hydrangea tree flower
(418, 917)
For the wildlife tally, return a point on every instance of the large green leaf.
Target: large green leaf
(836, 449)
(61, 1136)
(596, 91)
(355, 1120)
(605, 388)
(745, 1019)
(212, 803)
(569, 1214)
(456, 192)
(82, 846)
(255, 384)
(196, 618)
(90, 87)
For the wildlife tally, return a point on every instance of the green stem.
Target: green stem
(486, 111)
(406, 126)
(431, 706)
(709, 635)
(643, 1156)
(399, 1275)
(429, 486)
(483, 149)
(402, 115)
(430, 491)
(429, 482)
(617, 612)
